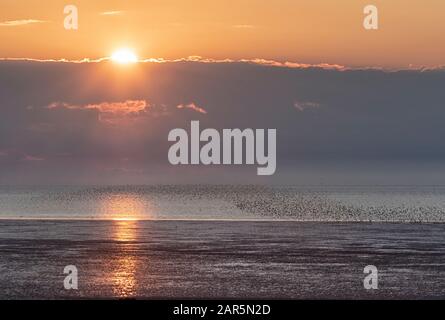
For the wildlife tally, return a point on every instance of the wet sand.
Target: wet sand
(220, 259)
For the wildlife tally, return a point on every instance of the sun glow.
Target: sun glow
(124, 56)
(124, 208)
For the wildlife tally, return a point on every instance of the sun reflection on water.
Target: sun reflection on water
(125, 211)
(125, 265)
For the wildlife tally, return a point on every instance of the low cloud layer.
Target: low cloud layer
(88, 122)
(112, 13)
(18, 23)
(192, 106)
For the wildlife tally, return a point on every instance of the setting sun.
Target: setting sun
(124, 56)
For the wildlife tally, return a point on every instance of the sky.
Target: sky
(350, 106)
(318, 31)
(94, 122)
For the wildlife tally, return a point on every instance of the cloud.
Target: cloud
(121, 108)
(262, 62)
(296, 65)
(244, 26)
(114, 112)
(360, 116)
(111, 13)
(192, 106)
(256, 61)
(32, 158)
(17, 23)
(199, 59)
(109, 112)
(84, 60)
(301, 106)
(18, 155)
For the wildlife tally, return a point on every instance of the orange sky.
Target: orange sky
(309, 31)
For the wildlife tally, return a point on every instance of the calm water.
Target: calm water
(220, 259)
(145, 241)
(425, 204)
